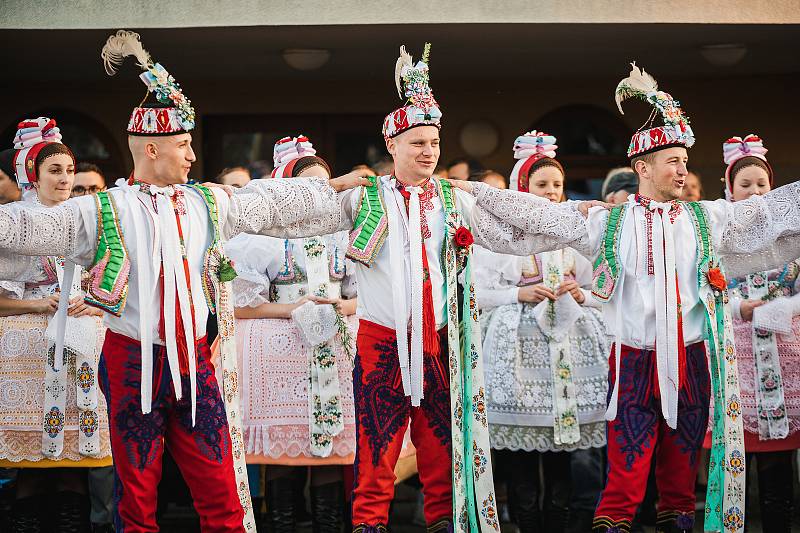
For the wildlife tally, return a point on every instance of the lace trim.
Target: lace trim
(540, 439)
(19, 446)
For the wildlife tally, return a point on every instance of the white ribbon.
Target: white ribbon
(611, 412)
(398, 270)
(415, 244)
(175, 280)
(666, 297)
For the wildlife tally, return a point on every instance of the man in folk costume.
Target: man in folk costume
(657, 268)
(153, 248)
(418, 343)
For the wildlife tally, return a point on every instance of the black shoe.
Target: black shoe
(441, 526)
(279, 517)
(25, 516)
(102, 528)
(326, 507)
(674, 522)
(580, 521)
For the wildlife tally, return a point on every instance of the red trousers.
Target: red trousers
(202, 451)
(640, 435)
(382, 415)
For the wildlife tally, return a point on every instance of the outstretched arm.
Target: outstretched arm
(68, 230)
(760, 233)
(290, 208)
(521, 224)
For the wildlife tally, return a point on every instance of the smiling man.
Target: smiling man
(153, 248)
(659, 272)
(419, 348)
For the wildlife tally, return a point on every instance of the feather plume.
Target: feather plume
(121, 45)
(638, 83)
(404, 60)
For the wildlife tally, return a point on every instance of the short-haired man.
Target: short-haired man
(658, 270)
(89, 179)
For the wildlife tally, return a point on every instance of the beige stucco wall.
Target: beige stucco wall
(77, 14)
(718, 109)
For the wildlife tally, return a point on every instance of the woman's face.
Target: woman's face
(748, 182)
(314, 171)
(547, 182)
(56, 175)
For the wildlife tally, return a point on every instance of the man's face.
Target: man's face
(87, 183)
(173, 158)
(664, 177)
(415, 152)
(9, 191)
(459, 171)
(693, 190)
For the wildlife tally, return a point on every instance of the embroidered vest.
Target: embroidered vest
(110, 272)
(370, 227)
(725, 495)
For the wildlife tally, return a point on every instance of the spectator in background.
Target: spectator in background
(235, 177)
(89, 179)
(619, 183)
(440, 172)
(462, 168)
(693, 188)
(363, 166)
(9, 191)
(260, 169)
(384, 167)
(491, 177)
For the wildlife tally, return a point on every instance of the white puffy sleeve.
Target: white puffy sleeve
(521, 223)
(760, 233)
(68, 230)
(254, 258)
(286, 208)
(496, 277)
(583, 275)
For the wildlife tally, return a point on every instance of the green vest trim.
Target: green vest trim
(606, 265)
(371, 225)
(110, 271)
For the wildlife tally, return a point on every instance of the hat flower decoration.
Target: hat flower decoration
(176, 114)
(675, 130)
(413, 87)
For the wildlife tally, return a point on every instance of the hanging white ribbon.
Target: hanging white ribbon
(666, 304)
(398, 270)
(611, 412)
(417, 273)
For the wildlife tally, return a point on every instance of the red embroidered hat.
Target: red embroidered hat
(172, 113)
(675, 131)
(33, 134)
(421, 108)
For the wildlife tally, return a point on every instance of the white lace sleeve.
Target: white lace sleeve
(521, 224)
(493, 286)
(583, 275)
(12, 289)
(251, 256)
(297, 207)
(67, 230)
(758, 225)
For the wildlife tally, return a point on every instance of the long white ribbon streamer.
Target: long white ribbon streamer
(415, 245)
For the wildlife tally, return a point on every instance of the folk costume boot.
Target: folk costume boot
(279, 517)
(364, 528)
(73, 512)
(775, 491)
(326, 507)
(442, 526)
(25, 515)
(524, 504)
(674, 522)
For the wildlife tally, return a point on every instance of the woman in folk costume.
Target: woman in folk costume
(657, 268)
(295, 330)
(53, 416)
(766, 321)
(545, 348)
(153, 246)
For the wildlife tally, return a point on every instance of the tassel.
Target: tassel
(430, 337)
(681, 346)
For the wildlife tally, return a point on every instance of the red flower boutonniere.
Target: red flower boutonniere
(463, 237)
(717, 279)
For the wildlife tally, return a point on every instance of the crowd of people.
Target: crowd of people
(300, 343)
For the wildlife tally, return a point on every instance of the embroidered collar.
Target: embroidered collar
(170, 191)
(651, 205)
(429, 192)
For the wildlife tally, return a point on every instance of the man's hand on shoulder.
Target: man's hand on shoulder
(351, 180)
(466, 186)
(584, 207)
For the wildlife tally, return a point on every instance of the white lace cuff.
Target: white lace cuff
(13, 289)
(776, 316)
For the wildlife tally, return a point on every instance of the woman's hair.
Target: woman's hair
(7, 163)
(749, 161)
(545, 162)
(227, 170)
(308, 162)
(51, 149)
